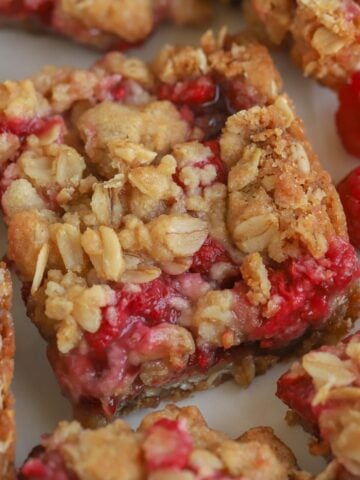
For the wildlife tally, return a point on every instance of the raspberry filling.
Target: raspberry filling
(303, 291)
(348, 115)
(137, 329)
(152, 302)
(168, 445)
(210, 253)
(352, 10)
(297, 392)
(45, 466)
(35, 126)
(349, 191)
(207, 103)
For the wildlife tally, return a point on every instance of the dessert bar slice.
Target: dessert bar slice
(323, 35)
(323, 389)
(175, 443)
(171, 224)
(7, 417)
(105, 24)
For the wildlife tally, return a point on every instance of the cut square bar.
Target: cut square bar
(171, 223)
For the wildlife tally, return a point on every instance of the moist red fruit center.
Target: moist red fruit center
(34, 126)
(207, 103)
(349, 191)
(297, 392)
(348, 115)
(211, 252)
(46, 466)
(168, 445)
(197, 91)
(303, 290)
(240, 96)
(135, 327)
(149, 303)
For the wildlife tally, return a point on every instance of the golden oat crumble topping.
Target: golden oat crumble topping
(277, 192)
(324, 34)
(136, 455)
(117, 190)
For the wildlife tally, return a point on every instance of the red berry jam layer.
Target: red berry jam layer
(323, 390)
(141, 325)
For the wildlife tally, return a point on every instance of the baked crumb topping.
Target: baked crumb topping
(175, 442)
(324, 34)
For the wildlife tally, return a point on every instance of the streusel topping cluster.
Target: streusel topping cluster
(325, 34)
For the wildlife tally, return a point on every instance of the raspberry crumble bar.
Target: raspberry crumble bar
(175, 443)
(7, 417)
(323, 35)
(323, 390)
(105, 24)
(171, 224)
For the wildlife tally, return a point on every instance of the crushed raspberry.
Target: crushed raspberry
(35, 126)
(349, 191)
(240, 95)
(151, 303)
(348, 115)
(297, 392)
(197, 91)
(303, 290)
(46, 466)
(168, 445)
(352, 10)
(209, 102)
(214, 160)
(211, 252)
(108, 331)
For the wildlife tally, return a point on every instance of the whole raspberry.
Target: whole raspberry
(348, 115)
(349, 191)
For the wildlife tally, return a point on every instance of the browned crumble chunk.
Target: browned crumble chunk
(104, 24)
(323, 35)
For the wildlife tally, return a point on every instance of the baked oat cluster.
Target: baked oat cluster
(170, 223)
(175, 443)
(105, 24)
(323, 35)
(323, 390)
